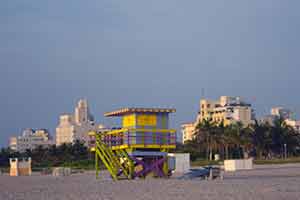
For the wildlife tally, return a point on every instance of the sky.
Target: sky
(142, 53)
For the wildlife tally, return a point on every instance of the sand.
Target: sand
(264, 182)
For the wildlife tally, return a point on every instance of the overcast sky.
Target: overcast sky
(142, 53)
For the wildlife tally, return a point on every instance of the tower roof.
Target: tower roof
(124, 111)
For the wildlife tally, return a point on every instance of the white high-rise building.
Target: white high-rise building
(82, 114)
(75, 127)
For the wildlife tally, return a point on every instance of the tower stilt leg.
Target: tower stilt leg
(96, 165)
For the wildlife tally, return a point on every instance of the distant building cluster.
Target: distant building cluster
(71, 127)
(31, 139)
(285, 114)
(230, 110)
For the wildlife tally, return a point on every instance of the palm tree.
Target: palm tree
(280, 132)
(202, 135)
(222, 140)
(206, 134)
(237, 138)
(292, 140)
(261, 138)
(284, 135)
(246, 141)
(277, 132)
(228, 139)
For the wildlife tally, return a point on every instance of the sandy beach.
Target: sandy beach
(264, 182)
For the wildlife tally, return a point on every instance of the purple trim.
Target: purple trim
(144, 138)
(155, 166)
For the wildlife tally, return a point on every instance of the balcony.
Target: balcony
(140, 139)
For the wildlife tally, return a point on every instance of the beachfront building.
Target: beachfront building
(281, 112)
(227, 109)
(187, 131)
(285, 114)
(31, 139)
(75, 126)
(295, 124)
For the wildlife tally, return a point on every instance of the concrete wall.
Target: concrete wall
(61, 171)
(20, 167)
(234, 165)
(182, 162)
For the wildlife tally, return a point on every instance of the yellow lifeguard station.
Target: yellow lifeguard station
(140, 147)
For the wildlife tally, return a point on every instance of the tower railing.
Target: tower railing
(140, 138)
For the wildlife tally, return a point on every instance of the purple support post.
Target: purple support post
(128, 138)
(154, 166)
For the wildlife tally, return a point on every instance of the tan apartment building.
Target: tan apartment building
(76, 126)
(187, 132)
(31, 139)
(227, 109)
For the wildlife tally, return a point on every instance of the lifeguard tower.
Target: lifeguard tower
(140, 147)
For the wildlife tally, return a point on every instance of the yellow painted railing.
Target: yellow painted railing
(116, 162)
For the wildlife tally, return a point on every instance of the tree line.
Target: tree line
(72, 155)
(261, 140)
